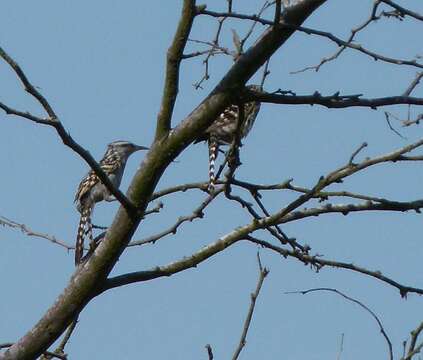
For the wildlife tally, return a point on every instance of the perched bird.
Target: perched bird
(91, 190)
(224, 128)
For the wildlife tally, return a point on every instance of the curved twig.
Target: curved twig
(365, 307)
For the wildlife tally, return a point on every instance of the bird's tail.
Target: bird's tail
(84, 228)
(213, 151)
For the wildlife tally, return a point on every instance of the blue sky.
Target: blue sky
(101, 67)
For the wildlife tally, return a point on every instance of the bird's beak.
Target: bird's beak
(139, 147)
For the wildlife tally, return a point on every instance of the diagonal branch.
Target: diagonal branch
(243, 340)
(198, 213)
(48, 354)
(230, 239)
(403, 10)
(54, 121)
(27, 85)
(174, 58)
(413, 348)
(359, 303)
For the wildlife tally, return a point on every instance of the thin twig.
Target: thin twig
(197, 213)
(328, 35)
(341, 347)
(414, 349)
(403, 10)
(27, 231)
(356, 152)
(338, 52)
(263, 272)
(47, 353)
(266, 73)
(209, 351)
(391, 127)
(413, 84)
(365, 307)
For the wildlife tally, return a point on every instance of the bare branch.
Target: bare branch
(266, 73)
(27, 231)
(365, 307)
(198, 213)
(318, 263)
(49, 354)
(356, 152)
(60, 350)
(10, 111)
(28, 86)
(242, 341)
(410, 122)
(361, 49)
(332, 101)
(337, 53)
(265, 6)
(325, 34)
(413, 84)
(174, 57)
(387, 114)
(403, 10)
(54, 121)
(180, 188)
(414, 349)
(233, 237)
(341, 347)
(209, 351)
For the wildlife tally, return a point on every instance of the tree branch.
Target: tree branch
(318, 263)
(91, 274)
(263, 272)
(403, 10)
(198, 213)
(335, 101)
(413, 348)
(174, 58)
(27, 85)
(359, 303)
(328, 35)
(27, 231)
(54, 121)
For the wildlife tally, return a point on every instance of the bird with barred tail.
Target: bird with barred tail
(224, 128)
(91, 190)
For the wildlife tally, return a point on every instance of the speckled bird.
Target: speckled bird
(91, 190)
(223, 131)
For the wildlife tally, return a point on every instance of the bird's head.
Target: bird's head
(125, 148)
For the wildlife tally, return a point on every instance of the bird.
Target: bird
(223, 130)
(91, 190)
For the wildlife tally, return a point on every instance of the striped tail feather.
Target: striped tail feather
(213, 151)
(84, 228)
